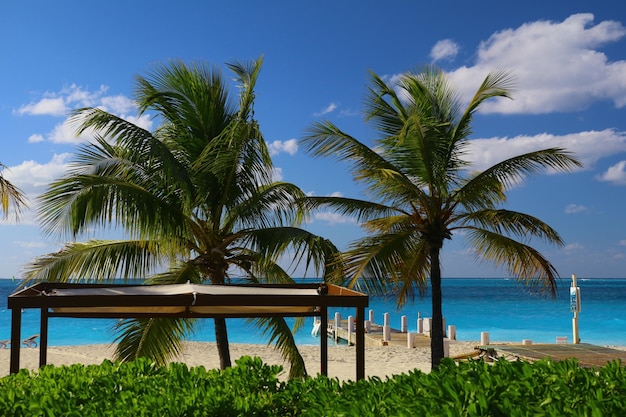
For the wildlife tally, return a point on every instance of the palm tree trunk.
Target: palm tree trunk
(436, 341)
(221, 340)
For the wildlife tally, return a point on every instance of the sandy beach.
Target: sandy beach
(381, 361)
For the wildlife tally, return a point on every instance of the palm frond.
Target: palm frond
(361, 210)
(368, 166)
(513, 223)
(305, 249)
(520, 260)
(514, 170)
(106, 188)
(11, 196)
(95, 261)
(159, 339)
(179, 273)
(247, 75)
(382, 263)
(269, 205)
(281, 336)
(496, 84)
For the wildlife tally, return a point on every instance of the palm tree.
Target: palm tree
(195, 198)
(423, 191)
(10, 196)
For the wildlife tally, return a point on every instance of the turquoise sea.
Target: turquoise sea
(506, 309)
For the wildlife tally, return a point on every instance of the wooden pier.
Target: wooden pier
(374, 337)
(588, 356)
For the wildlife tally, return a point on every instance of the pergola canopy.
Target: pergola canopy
(184, 300)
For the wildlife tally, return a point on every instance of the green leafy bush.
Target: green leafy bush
(252, 388)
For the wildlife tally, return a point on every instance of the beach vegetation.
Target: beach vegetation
(422, 190)
(251, 388)
(194, 200)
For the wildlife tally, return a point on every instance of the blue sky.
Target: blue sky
(568, 58)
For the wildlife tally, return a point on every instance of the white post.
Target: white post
(372, 316)
(337, 325)
(410, 340)
(350, 329)
(386, 328)
(574, 292)
(404, 324)
(428, 325)
(484, 338)
(386, 333)
(452, 332)
(446, 348)
(368, 326)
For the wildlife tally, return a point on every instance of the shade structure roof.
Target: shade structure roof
(182, 300)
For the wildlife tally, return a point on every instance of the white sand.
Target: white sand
(381, 361)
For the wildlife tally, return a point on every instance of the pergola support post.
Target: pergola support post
(360, 343)
(16, 329)
(324, 341)
(43, 338)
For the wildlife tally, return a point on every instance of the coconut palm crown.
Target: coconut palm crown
(195, 199)
(423, 191)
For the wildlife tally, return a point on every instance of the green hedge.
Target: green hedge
(252, 388)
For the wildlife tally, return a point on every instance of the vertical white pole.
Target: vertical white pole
(452, 332)
(337, 325)
(575, 332)
(371, 312)
(350, 329)
(386, 328)
(410, 340)
(404, 324)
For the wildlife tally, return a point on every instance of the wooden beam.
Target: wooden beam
(16, 329)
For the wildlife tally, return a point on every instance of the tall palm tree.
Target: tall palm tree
(10, 196)
(423, 191)
(196, 200)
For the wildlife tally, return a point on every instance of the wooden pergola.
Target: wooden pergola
(185, 300)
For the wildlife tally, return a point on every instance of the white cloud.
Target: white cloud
(573, 247)
(444, 49)
(333, 218)
(277, 174)
(329, 109)
(615, 174)
(575, 208)
(556, 65)
(64, 133)
(35, 138)
(117, 104)
(622, 242)
(33, 178)
(69, 98)
(45, 106)
(31, 244)
(588, 147)
(289, 146)
(61, 102)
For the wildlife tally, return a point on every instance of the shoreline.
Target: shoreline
(380, 361)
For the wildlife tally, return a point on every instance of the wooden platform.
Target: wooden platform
(589, 356)
(375, 336)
